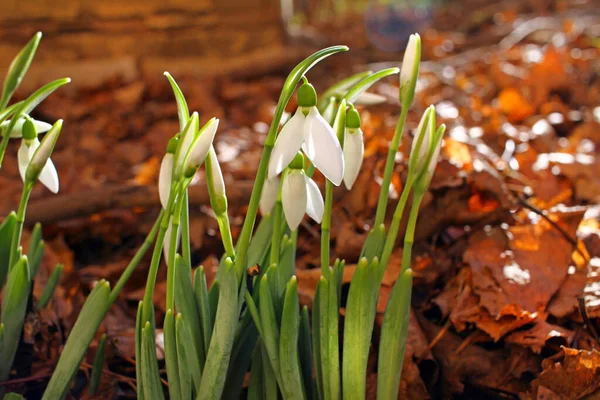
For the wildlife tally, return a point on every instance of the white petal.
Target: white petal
(17, 132)
(165, 176)
(408, 62)
(287, 145)
(354, 149)
(421, 154)
(49, 176)
(202, 144)
(315, 206)
(294, 198)
(24, 156)
(268, 197)
(370, 99)
(434, 159)
(217, 174)
(323, 148)
(167, 241)
(185, 141)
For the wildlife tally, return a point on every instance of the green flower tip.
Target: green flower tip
(352, 118)
(29, 131)
(172, 144)
(297, 161)
(307, 96)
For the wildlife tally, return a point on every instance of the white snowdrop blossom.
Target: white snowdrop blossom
(308, 130)
(200, 147)
(300, 195)
(164, 179)
(268, 197)
(354, 150)
(17, 131)
(34, 158)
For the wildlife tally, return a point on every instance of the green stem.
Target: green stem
(409, 236)
(226, 237)
(186, 250)
(389, 168)
(135, 260)
(16, 237)
(277, 228)
(390, 240)
(175, 223)
(326, 229)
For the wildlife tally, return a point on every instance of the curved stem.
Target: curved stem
(186, 250)
(16, 237)
(409, 236)
(389, 168)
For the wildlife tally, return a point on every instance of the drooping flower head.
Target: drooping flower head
(34, 157)
(354, 147)
(309, 131)
(300, 195)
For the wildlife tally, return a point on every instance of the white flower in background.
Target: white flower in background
(314, 135)
(17, 131)
(165, 175)
(409, 71)
(300, 195)
(369, 99)
(354, 147)
(268, 197)
(34, 157)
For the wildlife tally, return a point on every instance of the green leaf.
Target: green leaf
(97, 367)
(138, 351)
(340, 88)
(332, 336)
(203, 306)
(305, 350)
(13, 396)
(150, 376)
(36, 249)
(357, 332)
(288, 344)
(88, 321)
(270, 328)
(6, 113)
(27, 106)
(18, 68)
(219, 351)
(394, 331)
(14, 305)
(261, 241)
(374, 243)
(171, 356)
(243, 348)
(364, 84)
(50, 287)
(256, 390)
(183, 111)
(6, 232)
(213, 300)
(185, 300)
(317, 320)
(287, 261)
(188, 366)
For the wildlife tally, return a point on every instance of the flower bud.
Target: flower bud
(410, 70)
(200, 147)
(307, 96)
(218, 198)
(42, 155)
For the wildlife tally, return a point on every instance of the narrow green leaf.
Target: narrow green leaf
(256, 389)
(193, 369)
(138, 352)
(288, 344)
(219, 351)
(90, 317)
(270, 327)
(316, 338)
(333, 338)
(18, 68)
(270, 378)
(287, 261)
(213, 301)
(340, 88)
(97, 367)
(185, 300)
(374, 243)
(13, 396)
(152, 385)
(261, 241)
(36, 249)
(305, 350)
(14, 305)
(203, 306)
(6, 232)
(394, 331)
(183, 111)
(50, 287)
(244, 346)
(171, 355)
(365, 83)
(357, 333)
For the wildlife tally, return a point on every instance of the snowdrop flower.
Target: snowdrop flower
(308, 130)
(300, 195)
(434, 156)
(200, 147)
(421, 144)
(17, 131)
(216, 183)
(165, 175)
(354, 147)
(409, 71)
(268, 197)
(34, 157)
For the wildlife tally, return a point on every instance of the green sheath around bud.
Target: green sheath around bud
(297, 161)
(352, 118)
(29, 131)
(307, 96)
(172, 145)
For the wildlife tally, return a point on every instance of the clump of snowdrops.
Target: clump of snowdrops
(253, 322)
